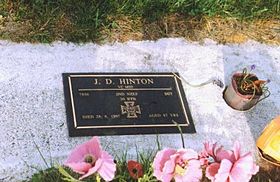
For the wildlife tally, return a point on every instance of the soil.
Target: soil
(220, 29)
(250, 91)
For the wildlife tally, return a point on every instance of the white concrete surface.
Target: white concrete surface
(32, 107)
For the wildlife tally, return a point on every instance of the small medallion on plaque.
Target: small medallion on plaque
(130, 109)
(125, 104)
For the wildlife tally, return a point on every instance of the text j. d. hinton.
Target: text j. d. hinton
(124, 81)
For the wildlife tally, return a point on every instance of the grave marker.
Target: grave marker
(125, 103)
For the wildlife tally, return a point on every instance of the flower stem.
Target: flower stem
(181, 133)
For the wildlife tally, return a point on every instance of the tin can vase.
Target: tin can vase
(237, 100)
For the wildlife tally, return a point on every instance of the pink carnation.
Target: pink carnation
(89, 158)
(228, 165)
(182, 165)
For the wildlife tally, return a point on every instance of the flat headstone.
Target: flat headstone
(33, 113)
(126, 103)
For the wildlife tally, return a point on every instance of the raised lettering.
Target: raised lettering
(108, 81)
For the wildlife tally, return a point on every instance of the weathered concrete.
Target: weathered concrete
(32, 107)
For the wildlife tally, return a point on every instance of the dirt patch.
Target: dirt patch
(28, 31)
(13, 30)
(222, 30)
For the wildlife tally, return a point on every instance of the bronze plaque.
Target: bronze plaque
(125, 104)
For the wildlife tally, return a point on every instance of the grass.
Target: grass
(107, 20)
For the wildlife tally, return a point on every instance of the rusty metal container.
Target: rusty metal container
(237, 100)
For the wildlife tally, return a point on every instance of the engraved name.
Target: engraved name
(125, 81)
(137, 81)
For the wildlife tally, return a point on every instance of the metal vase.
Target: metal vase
(236, 100)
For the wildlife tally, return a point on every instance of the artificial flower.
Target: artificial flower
(253, 66)
(230, 166)
(89, 158)
(135, 169)
(211, 157)
(213, 153)
(182, 165)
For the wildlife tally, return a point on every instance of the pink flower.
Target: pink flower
(182, 165)
(89, 158)
(231, 166)
(213, 153)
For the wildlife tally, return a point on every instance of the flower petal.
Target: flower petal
(244, 168)
(94, 147)
(108, 168)
(255, 169)
(105, 166)
(212, 170)
(90, 147)
(224, 154)
(170, 165)
(79, 167)
(92, 170)
(237, 175)
(224, 171)
(210, 148)
(236, 150)
(245, 163)
(193, 172)
(166, 177)
(135, 169)
(159, 161)
(187, 154)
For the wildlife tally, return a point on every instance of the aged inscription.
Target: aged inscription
(125, 103)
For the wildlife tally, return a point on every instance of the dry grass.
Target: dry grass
(10, 28)
(222, 30)
(25, 31)
(268, 173)
(124, 28)
(106, 20)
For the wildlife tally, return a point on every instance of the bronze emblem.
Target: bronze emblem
(130, 109)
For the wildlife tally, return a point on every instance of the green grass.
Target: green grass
(83, 20)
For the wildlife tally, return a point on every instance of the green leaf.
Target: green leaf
(98, 179)
(68, 177)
